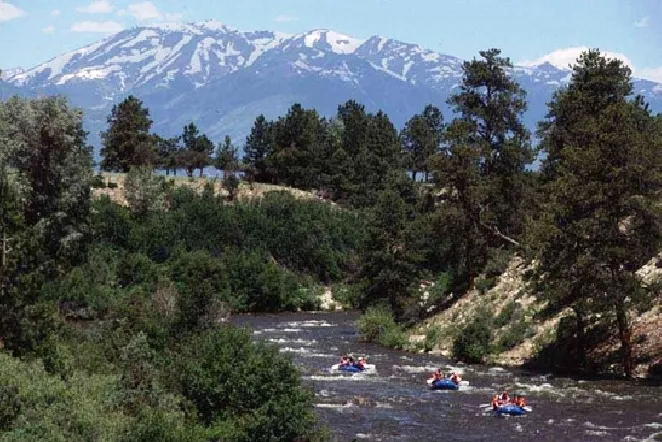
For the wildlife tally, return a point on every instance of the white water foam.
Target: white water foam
(293, 350)
(310, 323)
(292, 341)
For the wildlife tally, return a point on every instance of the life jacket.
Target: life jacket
(436, 376)
(495, 403)
(454, 378)
(521, 402)
(504, 397)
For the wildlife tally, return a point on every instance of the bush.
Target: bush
(249, 390)
(378, 325)
(484, 284)
(10, 406)
(473, 343)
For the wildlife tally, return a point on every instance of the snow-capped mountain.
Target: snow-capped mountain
(222, 78)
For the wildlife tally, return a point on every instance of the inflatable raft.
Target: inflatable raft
(510, 410)
(368, 368)
(443, 384)
(446, 384)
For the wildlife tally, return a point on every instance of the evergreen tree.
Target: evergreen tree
(601, 220)
(390, 269)
(493, 104)
(421, 139)
(197, 149)
(298, 143)
(457, 174)
(227, 160)
(127, 142)
(259, 145)
(168, 151)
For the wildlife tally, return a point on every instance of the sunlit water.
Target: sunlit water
(395, 403)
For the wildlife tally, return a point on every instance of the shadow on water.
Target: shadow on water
(395, 404)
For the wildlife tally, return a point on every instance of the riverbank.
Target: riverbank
(521, 332)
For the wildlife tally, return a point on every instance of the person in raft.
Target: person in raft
(456, 378)
(344, 361)
(503, 399)
(437, 375)
(361, 363)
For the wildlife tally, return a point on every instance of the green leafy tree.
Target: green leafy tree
(421, 139)
(144, 191)
(127, 142)
(45, 144)
(601, 219)
(260, 398)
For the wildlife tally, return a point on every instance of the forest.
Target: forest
(114, 317)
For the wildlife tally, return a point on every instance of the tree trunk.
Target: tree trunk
(625, 335)
(201, 172)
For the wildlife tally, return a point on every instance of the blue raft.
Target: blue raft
(351, 369)
(444, 384)
(510, 410)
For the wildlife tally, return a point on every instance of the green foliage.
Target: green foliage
(144, 191)
(378, 325)
(421, 138)
(259, 395)
(127, 141)
(259, 145)
(198, 149)
(473, 343)
(600, 221)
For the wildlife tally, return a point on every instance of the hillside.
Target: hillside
(522, 332)
(222, 78)
(114, 187)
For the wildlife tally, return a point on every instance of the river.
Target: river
(395, 404)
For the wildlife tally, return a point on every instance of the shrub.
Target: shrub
(378, 325)
(249, 389)
(473, 343)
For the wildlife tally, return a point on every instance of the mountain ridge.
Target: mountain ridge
(223, 78)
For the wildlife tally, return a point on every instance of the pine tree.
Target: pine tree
(168, 151)
(259, 145)
(601, 220)
(494, 104)
(227, 160)
(127, 142)
(197, 149)
(421, 139)
(458, 178)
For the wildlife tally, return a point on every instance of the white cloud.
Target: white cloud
(144, 11)
(56, 12)
(97, 7)
(561, 58)
(285, 18)
(641, 23)
(9, 11)
(654, 74)
(107, 27)
(48, 29)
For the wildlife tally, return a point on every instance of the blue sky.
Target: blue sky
(33, 31)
